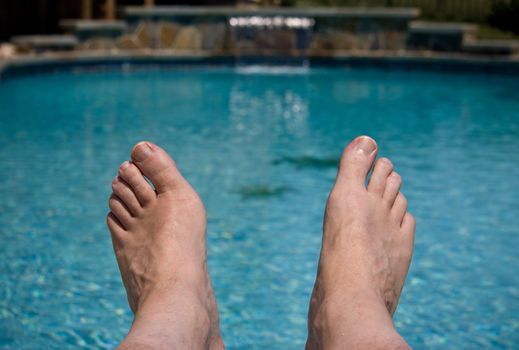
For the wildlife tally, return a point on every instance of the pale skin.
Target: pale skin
(159, 242)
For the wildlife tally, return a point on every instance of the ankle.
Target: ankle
(193, 283)
(177, 317)
(164, 329)
(357, 321)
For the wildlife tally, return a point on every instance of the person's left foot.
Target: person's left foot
(159, 241)
(367, 245)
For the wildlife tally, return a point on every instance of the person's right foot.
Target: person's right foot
(366, 251)
(158, 235)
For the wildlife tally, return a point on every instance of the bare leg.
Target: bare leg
(366, 251)
(159, 242)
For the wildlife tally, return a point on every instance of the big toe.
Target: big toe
(157, 166)
(356, 160)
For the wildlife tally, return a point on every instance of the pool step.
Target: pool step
(93, 29)
(440, 36)
(492, 47)
(41, 43)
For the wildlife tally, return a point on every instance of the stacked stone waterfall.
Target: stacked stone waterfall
(279, 32)
(271, 36)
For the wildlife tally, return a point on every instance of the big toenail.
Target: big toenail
(366, 145)
(142, 151)
(125, 165)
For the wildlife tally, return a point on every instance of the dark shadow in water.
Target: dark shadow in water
(263, 191)
(309, 162)
(508, 94)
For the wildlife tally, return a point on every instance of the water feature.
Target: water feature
(272, 36)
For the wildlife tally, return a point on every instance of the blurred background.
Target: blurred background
(497, 18)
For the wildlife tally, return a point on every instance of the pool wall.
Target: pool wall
(30, 65)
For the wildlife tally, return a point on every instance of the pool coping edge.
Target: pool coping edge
(34, 64)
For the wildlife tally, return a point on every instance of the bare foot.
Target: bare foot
(159, 241)
(366, 251)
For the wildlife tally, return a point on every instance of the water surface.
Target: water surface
(260, 147)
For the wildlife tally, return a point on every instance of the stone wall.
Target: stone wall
(359, 34)
(208, 37)
(267, 32)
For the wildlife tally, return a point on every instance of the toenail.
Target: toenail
(142, 151)
(125, 165)
(115, 180)
(396, 176)
(366, 145)
(387, 161)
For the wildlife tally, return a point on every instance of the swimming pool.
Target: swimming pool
(260, 146)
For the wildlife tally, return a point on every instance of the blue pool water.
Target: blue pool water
(260, 147)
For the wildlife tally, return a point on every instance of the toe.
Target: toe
(377, 182)
(399, 207)
(120, 211)
(408, 229)
(393, 183)
(357, 159)
(122, 190)
(116, 228)
(157, 166)
(113, 223)
(133, 177)
(408, 223)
